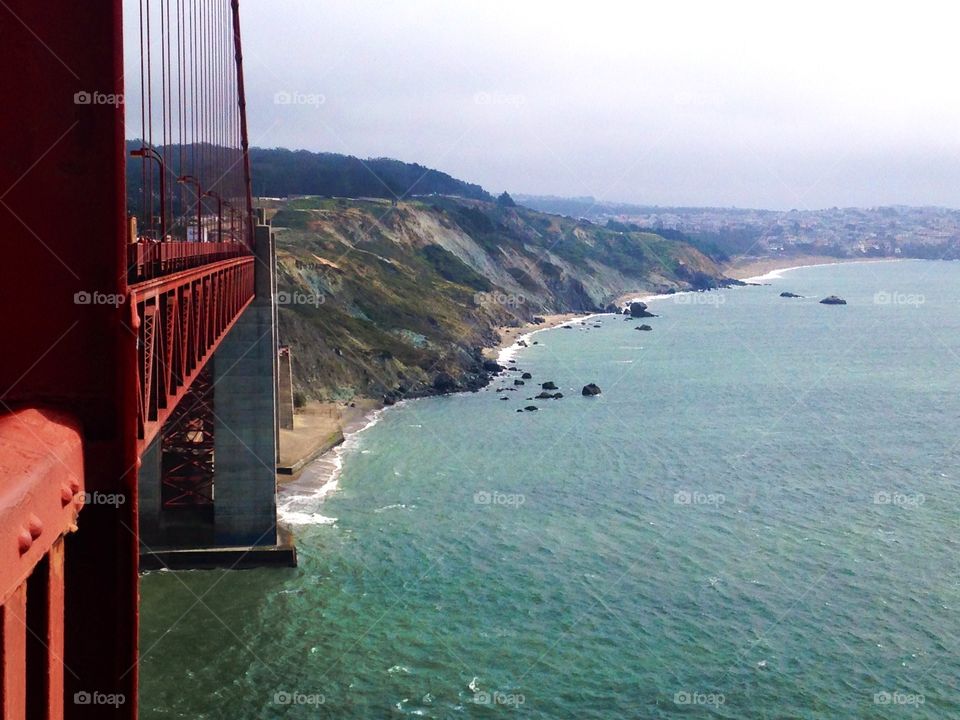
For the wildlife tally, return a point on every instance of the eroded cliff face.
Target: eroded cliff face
(397, 299)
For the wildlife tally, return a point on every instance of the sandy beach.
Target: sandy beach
(318, 428)
(744, 268)
(510, 335)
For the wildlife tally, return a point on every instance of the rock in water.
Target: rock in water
(639, 309)
(790, 295)
(543, 396)
(591, 389)
(518, 382)
(531, 408)
(643, 327)
(549, 385)
(557, 396)
(526, 376)
(833, 300)
(493, 366)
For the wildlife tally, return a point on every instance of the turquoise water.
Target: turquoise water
(756, 519)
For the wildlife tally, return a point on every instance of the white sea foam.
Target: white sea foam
(510, 353)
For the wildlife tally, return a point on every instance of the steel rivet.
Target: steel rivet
(24, 540)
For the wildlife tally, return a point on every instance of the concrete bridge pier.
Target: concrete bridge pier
(245, 433)
(232, 519)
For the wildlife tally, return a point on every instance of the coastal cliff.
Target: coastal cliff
(393, 300)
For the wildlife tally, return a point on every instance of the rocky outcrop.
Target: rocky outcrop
(444, 383)
(590, 389)
(643, 327)
(549, 385)
(639, 310)
(833, 300)
(790, 295)
(396, 293)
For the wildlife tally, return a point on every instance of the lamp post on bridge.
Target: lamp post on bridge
(190, 179)
(216, 196)
(148, 153)
(233, 223)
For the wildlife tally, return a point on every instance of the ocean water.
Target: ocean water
(757, 518)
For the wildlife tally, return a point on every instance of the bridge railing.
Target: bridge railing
(147, 259)
(41, 493)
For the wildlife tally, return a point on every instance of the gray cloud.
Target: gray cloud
(745, 103)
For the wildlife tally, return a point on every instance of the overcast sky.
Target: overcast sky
(753, 104)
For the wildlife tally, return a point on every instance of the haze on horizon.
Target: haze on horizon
(745, 104)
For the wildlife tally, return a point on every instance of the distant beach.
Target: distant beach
(758, 269)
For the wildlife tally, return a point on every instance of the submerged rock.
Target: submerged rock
(833, 300)
(518, 382)
(543, 396)
(549, 385)
(643, 327)
(790, 295)
(591, 389)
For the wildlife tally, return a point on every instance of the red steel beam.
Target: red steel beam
(180, 320)
(41, 463)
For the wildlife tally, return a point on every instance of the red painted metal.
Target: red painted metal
(41, 462)
(187, 444)
(179, 321)
(244, 138)
(110, 372)
(148, 260)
